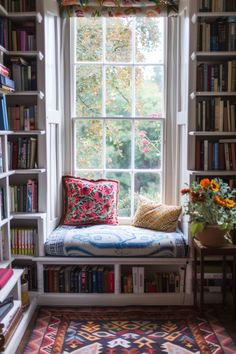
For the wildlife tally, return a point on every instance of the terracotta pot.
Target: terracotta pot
(212, 236)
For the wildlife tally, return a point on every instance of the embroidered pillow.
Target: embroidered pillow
(90, 202)
(154, 216)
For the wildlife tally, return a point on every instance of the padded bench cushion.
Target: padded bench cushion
(114, 241)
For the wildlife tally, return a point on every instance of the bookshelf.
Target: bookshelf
(212, 116)
(22, 155)
(52, 289)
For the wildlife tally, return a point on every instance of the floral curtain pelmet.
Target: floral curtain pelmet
(117, 8)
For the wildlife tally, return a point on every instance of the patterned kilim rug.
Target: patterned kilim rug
(133, 330)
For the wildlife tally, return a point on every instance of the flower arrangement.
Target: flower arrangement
(210, 202)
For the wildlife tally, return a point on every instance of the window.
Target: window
(118, 103)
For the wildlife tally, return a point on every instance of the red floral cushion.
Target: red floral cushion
(90, 201)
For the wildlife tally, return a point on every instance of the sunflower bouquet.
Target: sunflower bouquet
(210, 202)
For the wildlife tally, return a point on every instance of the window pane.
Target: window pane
(148, 184)
(118, 144)
(88, 144)
(149, 37)
(89, 31)
(118, 101)
(148, 138)
(88, 90)
(89, 174)
(149, 85)
(124, 193)
(119, 39)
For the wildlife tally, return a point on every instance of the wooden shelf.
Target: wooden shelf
(25, 16)
(112, 260)
(211, 133)
(40, 94)
(100, 299)
(29, 171)
(30, 216)
(28, 132)
(211, 15)
(211, 93)
(212, 173)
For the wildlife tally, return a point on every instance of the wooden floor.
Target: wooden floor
(224, 315)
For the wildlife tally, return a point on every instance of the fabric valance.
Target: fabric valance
(117, 8)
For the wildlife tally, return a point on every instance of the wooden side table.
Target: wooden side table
(201, 252)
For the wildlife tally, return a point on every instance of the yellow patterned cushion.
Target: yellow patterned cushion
(160, 217)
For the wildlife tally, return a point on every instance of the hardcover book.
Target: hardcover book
(5, 275)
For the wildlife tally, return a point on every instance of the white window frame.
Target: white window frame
(73, 117)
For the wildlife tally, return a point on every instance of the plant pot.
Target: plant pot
(212, 236)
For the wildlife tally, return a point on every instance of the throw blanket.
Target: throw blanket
(114, 241)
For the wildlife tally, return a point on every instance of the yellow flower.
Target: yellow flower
(229, 203)
(215, 186)
(220, 201)
(205, 183)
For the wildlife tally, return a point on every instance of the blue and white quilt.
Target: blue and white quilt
(114, 241)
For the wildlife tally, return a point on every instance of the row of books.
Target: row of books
(215, 285)
(24, 198)
(213, 278)
(78, 279)
(217, 77)
(24, 74)
(138, 282)
(215, 155)
(29, 274)
(217, 36)
(217, 5)
(215, 114)
(22, 153)
(23, 241)
(22, 36)
(21, 5)
(22, 117)
(10, 322)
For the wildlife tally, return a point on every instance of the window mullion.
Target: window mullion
(133, 115)
(104, 94)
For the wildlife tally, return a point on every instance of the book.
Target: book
(5, 275)
(1, 156)
(5, 306)
(3, 112)
(6, 81)
(14, 316)
(140, 280)
(135, 279)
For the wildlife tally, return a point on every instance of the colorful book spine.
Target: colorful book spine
(5, 275)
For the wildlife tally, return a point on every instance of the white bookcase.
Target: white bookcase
(17, 176)
(212, 91)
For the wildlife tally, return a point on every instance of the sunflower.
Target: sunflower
(215, 186)
(229, 203)
(220, 201)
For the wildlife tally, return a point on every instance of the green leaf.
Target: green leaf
(196, 227)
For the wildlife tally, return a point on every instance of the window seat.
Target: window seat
(114, 241)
